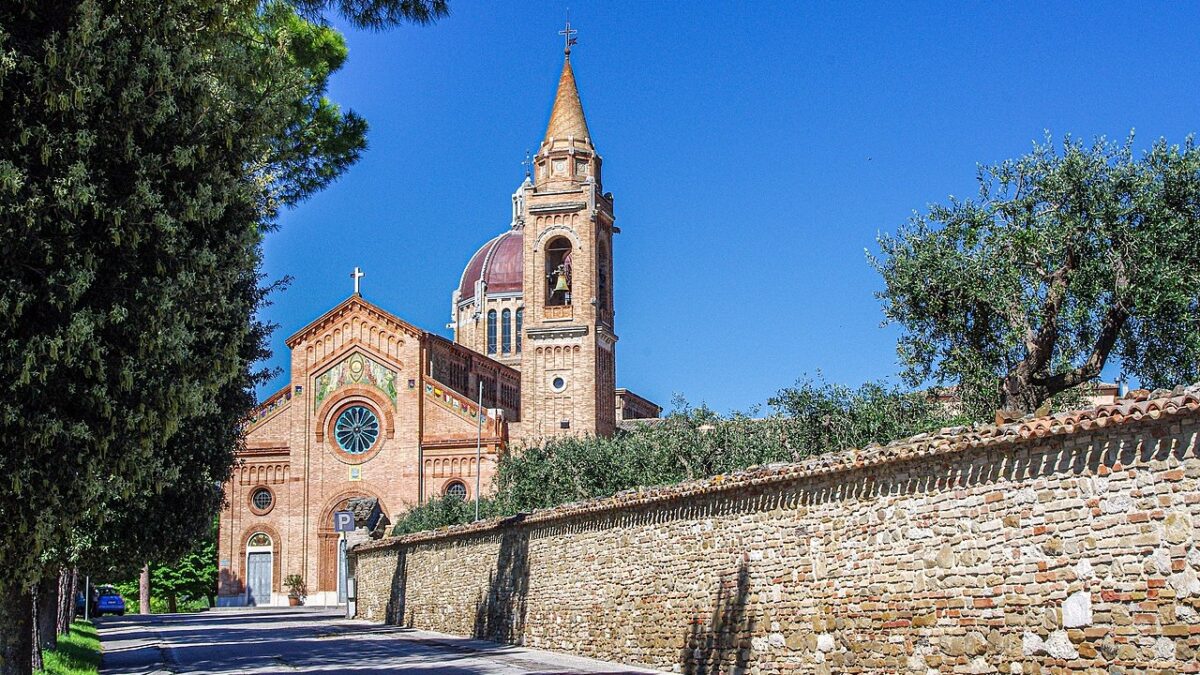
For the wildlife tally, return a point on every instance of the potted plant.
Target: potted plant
(296, 589)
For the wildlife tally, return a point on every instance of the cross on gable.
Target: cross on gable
(356, 275)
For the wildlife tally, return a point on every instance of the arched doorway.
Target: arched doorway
(331, 563)
(260, 564)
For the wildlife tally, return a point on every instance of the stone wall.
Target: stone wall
(1061, 544)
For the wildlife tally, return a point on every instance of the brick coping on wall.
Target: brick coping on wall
(1180, 402)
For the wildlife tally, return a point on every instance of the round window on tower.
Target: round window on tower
(261, 501)
(558, 384)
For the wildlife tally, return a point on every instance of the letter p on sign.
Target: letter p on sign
(343, 521)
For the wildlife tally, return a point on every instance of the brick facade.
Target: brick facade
(1062, 544)
(546, 364)
(356, 355)
(562, 225)
(630, 406)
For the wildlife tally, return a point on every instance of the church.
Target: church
(379, 408)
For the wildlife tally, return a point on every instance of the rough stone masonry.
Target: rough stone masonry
(1063, 544)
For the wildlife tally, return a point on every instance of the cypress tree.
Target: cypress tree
(147, 147)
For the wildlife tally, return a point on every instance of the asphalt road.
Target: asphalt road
(308, 641)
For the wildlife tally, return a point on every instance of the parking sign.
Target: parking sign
(343, 521)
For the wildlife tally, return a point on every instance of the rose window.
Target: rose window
(356, 429)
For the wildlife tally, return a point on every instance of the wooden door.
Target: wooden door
(258, 578)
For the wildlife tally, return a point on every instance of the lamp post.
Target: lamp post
(478, 448)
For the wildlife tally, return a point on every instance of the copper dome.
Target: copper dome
(501, 264)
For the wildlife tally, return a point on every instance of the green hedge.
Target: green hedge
(808, 419)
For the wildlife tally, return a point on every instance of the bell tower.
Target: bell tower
(568, 365)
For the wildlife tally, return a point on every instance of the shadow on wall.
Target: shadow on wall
(721, 643)
(500, 615)
(394, 614)
(228, 583)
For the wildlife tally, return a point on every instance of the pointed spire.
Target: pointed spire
(566, 120)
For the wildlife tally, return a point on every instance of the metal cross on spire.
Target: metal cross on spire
(568, 34)
(528, 163)
(356, 275)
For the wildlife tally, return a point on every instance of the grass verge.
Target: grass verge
(78, 653)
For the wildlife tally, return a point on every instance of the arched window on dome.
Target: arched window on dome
(506, 331)
(558, 272)
(520, 326)
(491, 331)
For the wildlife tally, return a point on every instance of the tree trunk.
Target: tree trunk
(68, 580)
(1020, 394)
(172, 603)
(46, 597)
(35, 623)
(16, 632)
(144, 590)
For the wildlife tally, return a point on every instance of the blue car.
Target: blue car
(109, 602)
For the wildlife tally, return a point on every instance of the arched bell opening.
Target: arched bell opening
(558, 272)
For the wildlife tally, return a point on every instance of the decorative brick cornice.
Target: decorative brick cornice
(272, 450)
(454, 446)
(553, 333)
(557, 207)
(1182, 403)
(348, 306)
(548, 193)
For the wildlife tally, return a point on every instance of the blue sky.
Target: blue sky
(754, 156)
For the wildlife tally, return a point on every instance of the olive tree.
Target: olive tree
(1066, 259)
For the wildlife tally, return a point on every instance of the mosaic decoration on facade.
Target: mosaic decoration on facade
(450, 402)
(355, 369)
(270, 406)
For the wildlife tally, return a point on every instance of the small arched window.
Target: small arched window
(259, 539)
(491, 331)
(602, 277)
(506, 331)
(558, 272)
(520, 326)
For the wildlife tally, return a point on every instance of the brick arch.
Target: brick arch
(447, 483)
(558, 230)
(276, 557)
(327, 539)
(344, 395)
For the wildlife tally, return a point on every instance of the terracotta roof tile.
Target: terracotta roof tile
(566, 119)
(500, 262)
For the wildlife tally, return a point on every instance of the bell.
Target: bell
(561, 284)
